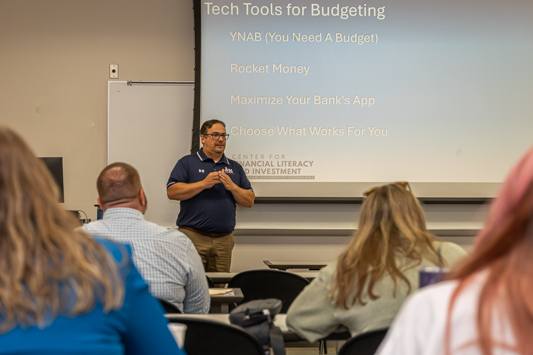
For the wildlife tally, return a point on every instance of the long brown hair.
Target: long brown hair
(503, 252)
(391, 223)
(47, 269)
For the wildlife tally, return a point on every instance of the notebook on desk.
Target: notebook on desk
(220, 291)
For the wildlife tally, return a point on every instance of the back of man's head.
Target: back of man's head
(117, 184)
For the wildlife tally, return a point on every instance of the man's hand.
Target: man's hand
(212, 179)
(226, 180)
(243, 197)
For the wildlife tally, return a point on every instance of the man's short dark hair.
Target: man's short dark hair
(209, 124)
(118, 181)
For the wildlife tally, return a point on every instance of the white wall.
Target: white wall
(250, 251)
(321, 232)
(54, 68)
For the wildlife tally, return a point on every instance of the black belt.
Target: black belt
(212, 235)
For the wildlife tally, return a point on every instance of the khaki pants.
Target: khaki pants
(215, 252)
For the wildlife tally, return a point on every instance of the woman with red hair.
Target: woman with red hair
(487, 307)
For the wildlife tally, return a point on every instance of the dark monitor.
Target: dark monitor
(55, 165)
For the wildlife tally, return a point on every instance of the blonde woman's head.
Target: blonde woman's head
(44, 262)
(391, 225)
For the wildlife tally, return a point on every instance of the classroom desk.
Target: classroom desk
(220, 303)
(295, 264)
(224, 277)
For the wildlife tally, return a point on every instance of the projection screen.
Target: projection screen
(324, 98)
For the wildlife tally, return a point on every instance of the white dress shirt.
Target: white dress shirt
(166, 258)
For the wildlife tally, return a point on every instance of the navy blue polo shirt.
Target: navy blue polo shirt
(212, 210)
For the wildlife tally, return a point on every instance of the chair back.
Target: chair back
(266, 283)
(364, 344)
(210, 282)
(205, 336)
(169, 307)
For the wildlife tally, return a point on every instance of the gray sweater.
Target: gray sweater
(314, 317)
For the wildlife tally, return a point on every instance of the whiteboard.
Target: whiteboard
(149, 126)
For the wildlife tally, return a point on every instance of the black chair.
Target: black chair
(266, 283)
(364, 344)
(210, 282)
(169, 307)
(204, 336)
(322, 343)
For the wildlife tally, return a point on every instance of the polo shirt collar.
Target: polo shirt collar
(204, 157)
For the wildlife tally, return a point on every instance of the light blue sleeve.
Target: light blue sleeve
(197, 299)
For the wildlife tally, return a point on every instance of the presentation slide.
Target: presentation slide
(370, 91)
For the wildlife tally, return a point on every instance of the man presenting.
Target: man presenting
(166, 259)
(208, 185)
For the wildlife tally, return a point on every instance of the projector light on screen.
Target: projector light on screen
(433, 92)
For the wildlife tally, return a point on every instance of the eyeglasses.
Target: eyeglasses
(217, 136)
(403, 184)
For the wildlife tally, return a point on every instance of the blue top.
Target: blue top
(212, 210)
(139, 327)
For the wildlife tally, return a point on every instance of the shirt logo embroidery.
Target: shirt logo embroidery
(228, 170)
(201, 171)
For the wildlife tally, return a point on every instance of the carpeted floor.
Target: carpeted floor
(304, 348)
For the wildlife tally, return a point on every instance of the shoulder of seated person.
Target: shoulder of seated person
(450, 246)
(118, 250)
(178, 234)
(329, 269)
(174, 238)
